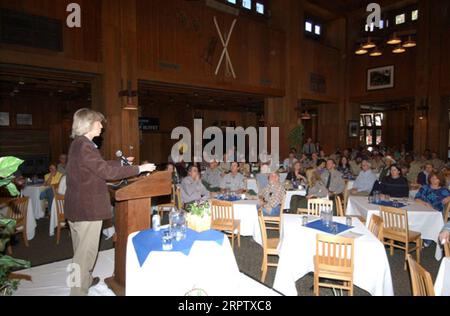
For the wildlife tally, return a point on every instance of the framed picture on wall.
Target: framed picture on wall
(4, 119)
(24, 119)
(353, 129)
(380, 78)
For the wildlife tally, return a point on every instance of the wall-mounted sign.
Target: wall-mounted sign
(24, 119)
(4, 119)
(148, 124)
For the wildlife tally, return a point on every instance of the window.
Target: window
(231, 1)
(313, 28)
(247, 4)
(260, 8)
(318, 30)
(400, 19)
(415, 15)
(308, 26)
(371, 129)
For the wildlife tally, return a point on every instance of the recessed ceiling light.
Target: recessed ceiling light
(60, 91)
(21, 82)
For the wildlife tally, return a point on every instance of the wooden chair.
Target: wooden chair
(376, 227)
(18, 211)
(446, 213)
(422, 284)
(61, 220)
(334, 261)
(396, 229)
(269, 248)
(222, 219)
(341, 207)
(173, 201)
(447, 250)
(315, 205)
(54, 188)
(275, 221)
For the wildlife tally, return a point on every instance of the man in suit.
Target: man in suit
(309, 148)
(333, 179)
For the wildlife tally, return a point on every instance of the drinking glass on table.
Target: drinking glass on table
(167, 241)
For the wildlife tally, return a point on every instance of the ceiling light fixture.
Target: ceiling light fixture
(361, 51)
(394, 40)
(399, 50)
(410, 43)
(376, 52)
(369, 44)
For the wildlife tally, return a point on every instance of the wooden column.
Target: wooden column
(119, 52)
(281, 112)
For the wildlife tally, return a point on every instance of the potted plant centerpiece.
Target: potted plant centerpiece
(199, 216)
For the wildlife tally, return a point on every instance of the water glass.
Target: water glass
(305, 220)
(167, 241)
(349, 221)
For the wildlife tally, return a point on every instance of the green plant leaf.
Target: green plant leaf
(12, 189)
(9, 165)
(7, 262)
(4, 182)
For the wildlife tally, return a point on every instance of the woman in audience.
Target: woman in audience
(434, 195)
(289, 162)
(315, 189)
(424, 175)
(388, 161)
(296, 176)
(395, 185)
(321, 166)
(344, 168)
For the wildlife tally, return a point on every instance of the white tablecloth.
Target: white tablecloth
(412, 193)
(247, 213)
(442, 284)
(31, 221)
(428, 222)
(209, 266)
(53, 219)
(290, 194)
(298, 247)
(33, 192)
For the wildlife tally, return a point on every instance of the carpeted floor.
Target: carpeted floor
(43, 250)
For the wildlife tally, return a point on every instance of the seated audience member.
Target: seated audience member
(51, 178)
(192, 188)
(321, 166)
(415, 167)
(62, 164)
(424, 175)
(244, 169)
(315, 189)
(395, 185)
(445, 234)
(271, 197)
(405, 170)
(437, 163)
(224, 166)
(434, 195)
(233, 181)
(355, 166)
(377, 163)
(212, 177)
(322, 155)
(296, 176)
(344, 168)
(388, 162)
(332, 179)
(173, 171)
(364, 182)
(288, 163)
(312, 162)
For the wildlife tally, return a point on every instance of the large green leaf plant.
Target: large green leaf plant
(8, 166)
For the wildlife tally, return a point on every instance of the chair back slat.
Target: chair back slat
(18, 209)
(59, 200)
(421, 281)
(335, 253)
(222, 211)
(178, 201)
(447, 250)
(395, 221)
(315, 205)
(376, 227)
(339, 206)
(446, 213)
(263, 228)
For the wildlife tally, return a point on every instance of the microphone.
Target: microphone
(119, 154)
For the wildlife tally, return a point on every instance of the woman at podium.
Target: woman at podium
(87, 201)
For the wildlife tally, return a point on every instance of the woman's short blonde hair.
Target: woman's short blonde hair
(312, 176)
(83, 121)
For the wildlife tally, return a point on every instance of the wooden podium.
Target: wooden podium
(132, 214)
